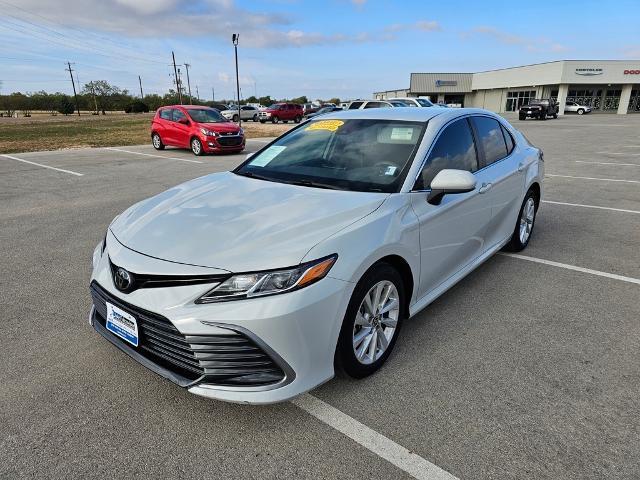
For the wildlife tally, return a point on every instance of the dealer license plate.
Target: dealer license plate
(122, 324)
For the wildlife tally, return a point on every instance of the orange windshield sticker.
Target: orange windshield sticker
(331, 125)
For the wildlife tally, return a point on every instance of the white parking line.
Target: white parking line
(591, 206)
(152, 155)
(620, 153)
(573, 267)
(610, 163)
(413, 464)
(44, 166)
(593, 178)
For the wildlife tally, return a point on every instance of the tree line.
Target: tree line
(100, 97)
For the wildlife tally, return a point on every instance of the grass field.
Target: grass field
(53, 133)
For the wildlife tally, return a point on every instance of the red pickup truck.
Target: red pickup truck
(282, 111)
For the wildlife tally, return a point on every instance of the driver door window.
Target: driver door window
(454, 148)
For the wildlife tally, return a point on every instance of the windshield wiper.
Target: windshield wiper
(310, 183)
(253, 175)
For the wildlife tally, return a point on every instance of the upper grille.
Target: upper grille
(232, 359)
(230, 141)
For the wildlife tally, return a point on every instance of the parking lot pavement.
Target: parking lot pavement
(522, 370)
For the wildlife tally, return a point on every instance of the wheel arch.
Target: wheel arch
(404, 269)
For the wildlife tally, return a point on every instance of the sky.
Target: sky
(289, 48)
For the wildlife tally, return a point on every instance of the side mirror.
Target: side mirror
(450, 181)
(184, 121)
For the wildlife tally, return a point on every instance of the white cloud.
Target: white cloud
(531, 44)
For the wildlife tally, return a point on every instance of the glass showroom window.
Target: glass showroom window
(634, 102)
(589, 98)
(612, 100)
(516, 99)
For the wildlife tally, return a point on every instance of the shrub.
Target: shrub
(66, 106)
(136, 107)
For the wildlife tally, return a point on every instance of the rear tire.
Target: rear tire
(555, 115)
(367, 338)
(524, 224)
(263, 121)
(156, 141)
(274, 119)
(522, 117)
(297, 119)
(196, 146)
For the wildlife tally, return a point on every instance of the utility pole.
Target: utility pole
(234, 38)
(140, 82)
(213, 94)
(95, 102)
(75, 95)
(197, 93)
(186, 65)
(175, 71)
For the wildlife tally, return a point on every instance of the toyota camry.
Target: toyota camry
(258, 284)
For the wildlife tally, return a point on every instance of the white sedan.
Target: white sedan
(258, 284)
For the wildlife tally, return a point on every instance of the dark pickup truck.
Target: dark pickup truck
(540, 109)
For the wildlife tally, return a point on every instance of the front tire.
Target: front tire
(524, 225)
(297, 119)
(156, 141)
(196, 146)
(255, 117)
(235, 118)
(274, 119)
(372, 322)
(522, 117)
(581, 111)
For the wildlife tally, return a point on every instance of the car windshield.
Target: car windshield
(352, 154)
(538, 100)
(205, 115)
(424, 102)
(275, 106)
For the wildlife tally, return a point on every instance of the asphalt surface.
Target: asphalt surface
(522, 370)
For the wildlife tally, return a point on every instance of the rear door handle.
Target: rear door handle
(520, 167)
(485, 187)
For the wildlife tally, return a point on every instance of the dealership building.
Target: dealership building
(607, 86)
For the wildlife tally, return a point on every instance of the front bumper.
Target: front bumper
(298, 331)
(224, 143)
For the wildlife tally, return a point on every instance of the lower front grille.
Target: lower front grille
(231, 359)
(230, 141)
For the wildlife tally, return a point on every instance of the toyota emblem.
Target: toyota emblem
(122, 279)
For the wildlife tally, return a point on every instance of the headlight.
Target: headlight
(241, 132)
(208, 133)
(260, 284)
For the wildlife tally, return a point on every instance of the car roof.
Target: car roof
(406, 113)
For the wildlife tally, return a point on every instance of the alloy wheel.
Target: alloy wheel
(526, 220)
(196, 147)
(156, 141)
(376, 322)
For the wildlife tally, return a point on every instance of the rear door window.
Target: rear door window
(454, 148)
(355, 105)
(508, 140)
(490, 139)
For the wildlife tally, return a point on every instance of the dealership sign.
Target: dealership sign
(632, 72)
(588, 71)
(446, 83)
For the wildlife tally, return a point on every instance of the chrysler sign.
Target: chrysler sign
(588, 71)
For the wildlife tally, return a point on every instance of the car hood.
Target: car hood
(235, 223)
(222, 127)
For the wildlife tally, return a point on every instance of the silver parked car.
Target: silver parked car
(576, 108)
(258, 284)
(362, 104)
(247, 112)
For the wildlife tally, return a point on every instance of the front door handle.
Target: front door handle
(520, 167)
(485, 187)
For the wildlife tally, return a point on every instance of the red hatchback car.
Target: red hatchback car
(202, 129)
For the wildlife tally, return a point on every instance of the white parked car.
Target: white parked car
(414, 101)
(362, 104)
(576, 108)
(256, 285)
(247, 112)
